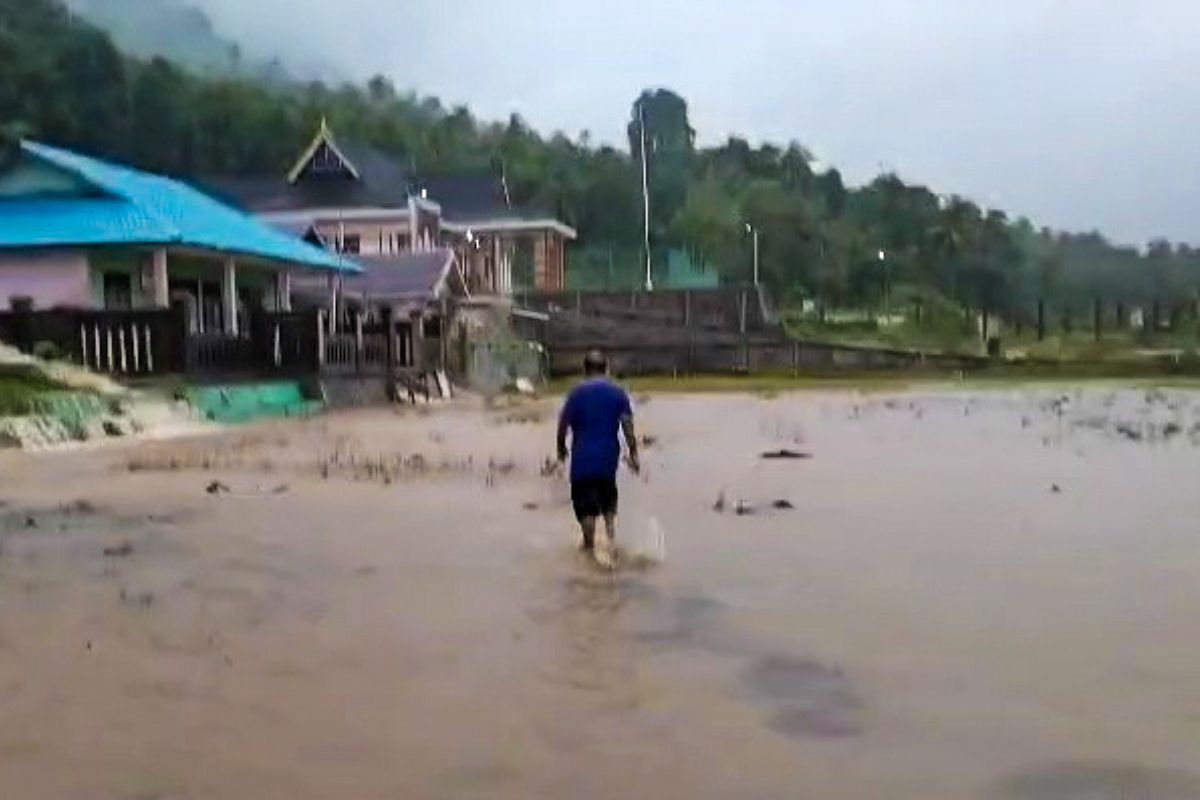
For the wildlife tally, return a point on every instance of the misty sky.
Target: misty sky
(1079, 113)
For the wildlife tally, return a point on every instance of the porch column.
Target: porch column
(283, 291)
(418, 340)
(561, 245)
(506, 269)
(497, 267)
(335, 302)
(162, 294)
(540, 263)
(229, 297)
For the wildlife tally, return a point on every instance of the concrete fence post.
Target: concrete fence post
(320, 339)
(358, 341)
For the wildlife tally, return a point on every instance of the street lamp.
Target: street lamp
(753, 231)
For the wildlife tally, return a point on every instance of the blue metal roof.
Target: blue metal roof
(138, 208)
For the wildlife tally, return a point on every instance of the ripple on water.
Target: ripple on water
(810, 699)
(1101, 780)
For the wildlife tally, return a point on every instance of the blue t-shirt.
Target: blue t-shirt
(593, 412)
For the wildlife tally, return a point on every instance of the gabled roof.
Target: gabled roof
(128, 207)
(420, 276)
(376, 181)
(323, 139)
(471, 195)
(408, 281)
(480, 202)
(304, 229)
(369, 179)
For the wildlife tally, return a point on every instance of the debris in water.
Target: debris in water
(782, 505)
(81, 507)
(1129, 432)
(122, 550)
(30, 523)
(649, 441)
(785, 454)
(1171, 430)
(1055, 489)
(216, 487)
(719, 506)
(744, 509)
(530, 506)
(139, 600)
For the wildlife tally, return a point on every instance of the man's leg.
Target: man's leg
(608, 506)
(588, 526)
(610, 526)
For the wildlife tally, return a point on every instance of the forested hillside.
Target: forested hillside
(67, 83)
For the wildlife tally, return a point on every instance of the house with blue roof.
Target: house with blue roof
(78, 232)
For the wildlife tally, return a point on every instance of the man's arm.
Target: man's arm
(631, 442)
(564, 425)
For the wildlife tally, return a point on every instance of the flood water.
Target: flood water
(952, 595)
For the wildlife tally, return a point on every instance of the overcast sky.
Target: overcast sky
(1079, 113)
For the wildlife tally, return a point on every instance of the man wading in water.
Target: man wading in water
(592, 413)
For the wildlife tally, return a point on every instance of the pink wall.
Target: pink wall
(51, 279)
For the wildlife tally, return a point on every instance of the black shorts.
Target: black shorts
(594, 497)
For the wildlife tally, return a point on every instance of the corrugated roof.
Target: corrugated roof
(139, 208)
(408, 276)
(407, 280)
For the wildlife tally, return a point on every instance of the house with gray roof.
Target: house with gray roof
(360, 202)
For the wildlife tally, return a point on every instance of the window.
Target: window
(351, 243)
(118, 291)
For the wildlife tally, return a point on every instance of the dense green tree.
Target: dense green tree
(63, 81)
(670, 147)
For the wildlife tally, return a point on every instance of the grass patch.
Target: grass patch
(20, 387)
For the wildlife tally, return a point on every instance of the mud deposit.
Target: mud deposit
(952, 595)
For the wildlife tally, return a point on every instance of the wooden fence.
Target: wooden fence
(157, 342)
(366, 350)
(116, 342)
(741, 309)
(715, 356)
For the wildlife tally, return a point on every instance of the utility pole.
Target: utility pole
(887, 285)
(753, 231)
(645, 193)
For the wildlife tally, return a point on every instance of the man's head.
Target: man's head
(595, 364)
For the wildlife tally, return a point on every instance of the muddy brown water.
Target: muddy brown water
(974, 595)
